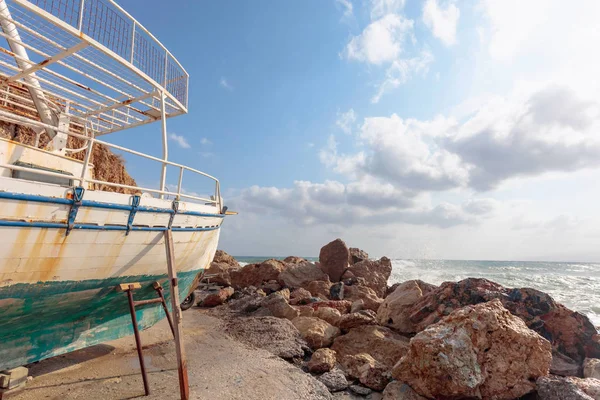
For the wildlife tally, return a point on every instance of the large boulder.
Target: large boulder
(334, 259)
(319, 289)
(591, 368)
(278, 336)
(299, 275)
(322, 360)
(357, 255)
(353, 320)
(300, 296)
(370, 372)
(220, 267)
(279, 307)
(568, 388)
(328, 314)
(379, 342)
(480, 351)
(315, 331)
(400, 391)
(256, 274)
(395, 311)
(217, 298)
(358, 292)
(375, 273)
(570, 332)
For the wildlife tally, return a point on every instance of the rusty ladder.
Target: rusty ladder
(176, 326)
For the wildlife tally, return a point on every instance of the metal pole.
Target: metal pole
(138, 341)
(163, 118)
(184, 387)
(166, 309)
(33, 85)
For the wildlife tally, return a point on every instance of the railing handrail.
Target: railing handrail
(90, 142)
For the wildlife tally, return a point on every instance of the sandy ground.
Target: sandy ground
(219, 368)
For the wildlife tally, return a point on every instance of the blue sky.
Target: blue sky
(411, 128)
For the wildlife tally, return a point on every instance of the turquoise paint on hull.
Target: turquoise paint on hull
(46, 319)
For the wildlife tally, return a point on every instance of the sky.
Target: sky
(443, 129)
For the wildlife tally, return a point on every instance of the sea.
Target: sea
(574, 284)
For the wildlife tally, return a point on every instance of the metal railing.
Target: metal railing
(83, 178)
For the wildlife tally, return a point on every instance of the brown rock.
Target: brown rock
(370, 299)
(315, 331)
(276, 335)
(322, 360)
(279, 307)
(591, 368)
(479, 351)
(370, 372)
(357, 306)
(334, 259)
(328, 314)
(400, 391)
(392, 288)
(256, 274)
(270, 287)
(563, 365)
(379, 342)
(285, 293)
(353, 320)
(301, 274)
(218, 298)
(224, 258)
(343, 306)
(294, 260)
(570, 333)
(299, 296)
(319, 289)
(375, 273)
(567, 388)
(396, 309)
(357, 255)
(305, 311)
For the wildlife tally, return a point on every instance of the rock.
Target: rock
(300, 296)
(256, 274)
(357, 306)
(351, 280)
(218, 298)
(400, 391)
(357, 255)
(370, 299)
(301, 274)
(334, 259)
(285, 293)
(270, 287)
(334, 380)
(322, 360)
(395, 311)
(392, 288)
(478, 351)
(305, 311)
(294, 260)
(315, 331)
(218, 271)
(279, 307)
(591, 368)
(247, 303)
(328, 314)
(224, 258)
(336, 291)
(367, 370)
(375, 274)
(278, 336)
(563, 365)
(379, 342)
(567, 388)
(360, 390)
(319, 289)
(343, 306)
(353, 320)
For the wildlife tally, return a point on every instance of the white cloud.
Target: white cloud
(381, 41)
(401, 71)
(348, 8)
(380, 8)
(225, 84)
(180, 140)
(310, 144)
(346, 120)
(205, 141)
(441, 21)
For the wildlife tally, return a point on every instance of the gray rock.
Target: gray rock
(361, 390)
(400, 391)
(567, 388)
(563, 365)
(336, 292)
(335, 380)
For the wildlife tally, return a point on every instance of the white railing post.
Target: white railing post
(80, 24)
(179, 184)
(132, 42)
(86, 161)
(163, 120)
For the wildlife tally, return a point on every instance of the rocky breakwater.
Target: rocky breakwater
(340, 322)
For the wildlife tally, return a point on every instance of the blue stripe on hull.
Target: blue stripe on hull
(46, 319)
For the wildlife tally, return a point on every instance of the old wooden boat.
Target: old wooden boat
(72, 71)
